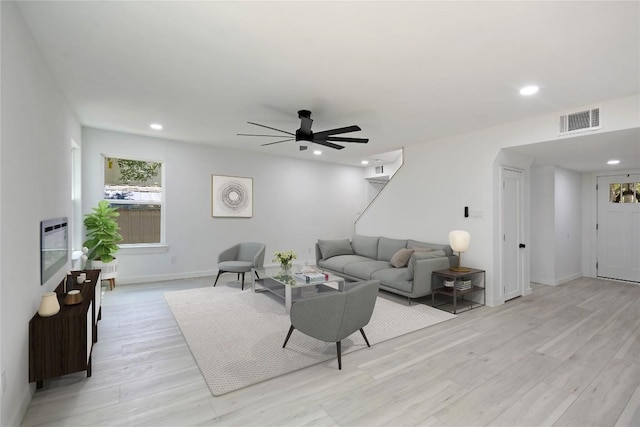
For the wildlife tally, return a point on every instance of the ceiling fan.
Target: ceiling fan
(304, 134)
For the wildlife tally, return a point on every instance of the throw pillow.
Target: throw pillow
(421, 255)
(401, 258)
(329, 248)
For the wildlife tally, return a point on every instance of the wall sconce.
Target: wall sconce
(459, 241)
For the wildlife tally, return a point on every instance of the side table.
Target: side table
(459, 286)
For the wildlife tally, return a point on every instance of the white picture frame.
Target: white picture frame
(231, 196)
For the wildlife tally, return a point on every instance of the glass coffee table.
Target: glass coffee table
(291, 286)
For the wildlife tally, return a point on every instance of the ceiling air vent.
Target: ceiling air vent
(580, 121)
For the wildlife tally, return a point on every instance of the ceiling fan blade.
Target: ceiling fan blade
(337, 131)
(279, 130)
(277, 142)
(343, 139)
(255, 134)
(328, 144)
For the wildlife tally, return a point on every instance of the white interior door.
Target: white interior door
(618, 228)
(512, 233)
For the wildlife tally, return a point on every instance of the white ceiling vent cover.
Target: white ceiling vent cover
(580, 121)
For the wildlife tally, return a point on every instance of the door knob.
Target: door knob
(522, 246)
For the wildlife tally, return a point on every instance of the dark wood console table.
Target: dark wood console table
(61, 344)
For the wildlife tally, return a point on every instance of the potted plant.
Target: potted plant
(285, 258)
(102, 240)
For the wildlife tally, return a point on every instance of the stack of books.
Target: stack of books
(310, 277)
(463, 285)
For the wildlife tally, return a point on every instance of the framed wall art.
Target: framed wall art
(231, 196)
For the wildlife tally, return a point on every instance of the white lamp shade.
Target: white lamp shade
(459, 240)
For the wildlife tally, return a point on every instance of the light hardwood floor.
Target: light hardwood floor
(563, 356)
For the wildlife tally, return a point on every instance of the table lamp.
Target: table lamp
(459, 241)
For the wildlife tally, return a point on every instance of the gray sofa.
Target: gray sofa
(402, 266)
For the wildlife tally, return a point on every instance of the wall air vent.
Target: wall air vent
(580, 121)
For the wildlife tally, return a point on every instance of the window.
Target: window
(134, 188)
(628, 192)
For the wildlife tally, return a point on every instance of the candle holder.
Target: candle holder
(73, 297)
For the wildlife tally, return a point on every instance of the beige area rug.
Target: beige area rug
(236, 336)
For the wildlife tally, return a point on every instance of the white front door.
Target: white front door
(512, 245)
(618, 227)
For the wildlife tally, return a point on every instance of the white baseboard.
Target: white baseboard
(16, 416)
(569, 278)
(490, 302)
(555, 281)
(164, 277)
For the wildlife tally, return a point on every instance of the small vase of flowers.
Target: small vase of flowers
(285, 258)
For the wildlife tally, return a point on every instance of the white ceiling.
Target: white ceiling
(587, 153)
(405, 72)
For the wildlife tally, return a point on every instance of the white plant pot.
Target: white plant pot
(109, 269)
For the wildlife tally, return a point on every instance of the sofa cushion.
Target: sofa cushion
(401, 258)
(365, 245)
(394, 278)
(365, 269)
(330, 248)
(388, 247)
(438, 247)
(418, 256)
(337, 263)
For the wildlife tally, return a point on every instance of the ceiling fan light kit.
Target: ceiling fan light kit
(305, 136)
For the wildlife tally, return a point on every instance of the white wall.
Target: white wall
(543, 228)
(568, 217)
(392, 162)
(426, 198)
(37, 127)
(556, 237)
(294, 202)
(390, 167)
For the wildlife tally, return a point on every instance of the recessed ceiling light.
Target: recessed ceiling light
(317, 152)
(529, 90)
(156, 126)
(365, 162)
(613, 162)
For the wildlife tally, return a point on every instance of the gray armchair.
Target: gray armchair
(240, 259)
(335, 316)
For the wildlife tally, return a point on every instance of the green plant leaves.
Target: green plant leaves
(102, 232)
(137, 170)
